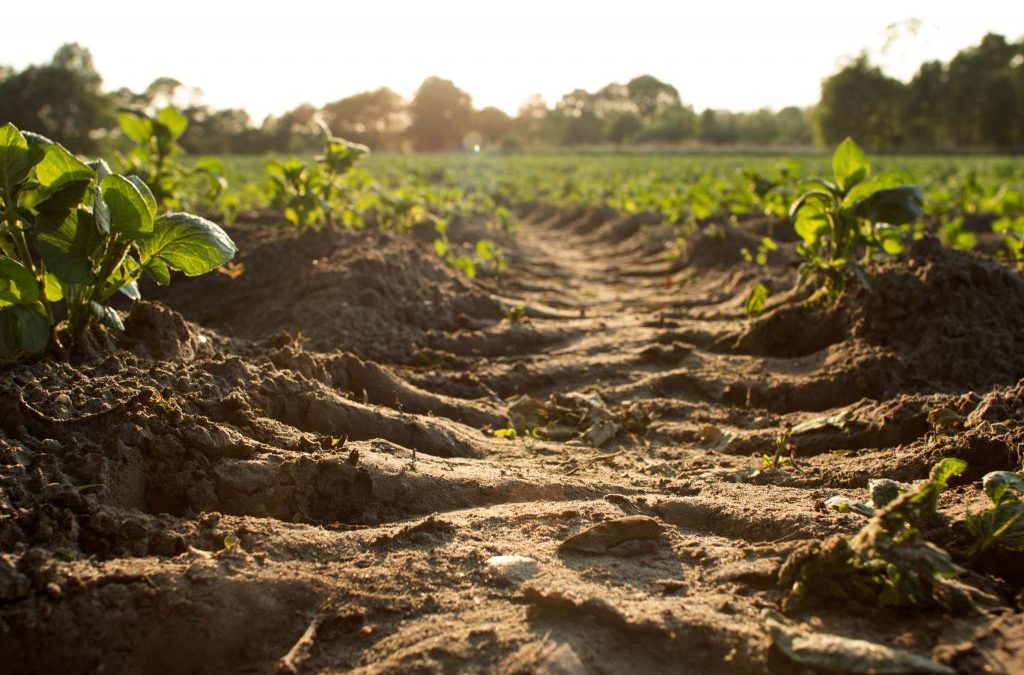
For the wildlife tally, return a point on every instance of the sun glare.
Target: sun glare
(733, 55)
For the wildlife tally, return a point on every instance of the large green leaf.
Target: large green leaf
(68, 249)
(849, 164)
(17, 158)
(1003, 486)
(147, 195)
(810, 220)
(57, 202)
(129, 211)
(17, 285)
(175, 122)
(887, 180)
(135, 126)
(106, 316)
(895, 206)
(60, 166)
(23, 328)
(185, 242)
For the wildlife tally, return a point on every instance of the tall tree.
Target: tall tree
(375, 118)
(924, 106)
(63, 99)
(440, 114)
(492, 124)
(652, 97)
(862, 102)
(980, 96)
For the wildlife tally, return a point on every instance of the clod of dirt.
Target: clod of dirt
(160, 332)
(610, 534)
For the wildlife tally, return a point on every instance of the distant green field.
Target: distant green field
(679, 185)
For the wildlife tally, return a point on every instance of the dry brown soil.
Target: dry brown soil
(293, 471)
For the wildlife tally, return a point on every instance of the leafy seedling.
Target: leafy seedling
(852, 215)
(72, 236)
(1002, 524)
(782, 444)
(313, 194)
(756, 299)
(889, 562)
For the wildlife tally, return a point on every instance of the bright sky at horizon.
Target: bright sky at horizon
(268, 59)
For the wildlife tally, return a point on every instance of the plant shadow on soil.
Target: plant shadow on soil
(294, 470)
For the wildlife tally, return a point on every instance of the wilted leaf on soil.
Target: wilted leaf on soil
(839, 654)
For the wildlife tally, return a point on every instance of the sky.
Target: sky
(270, 57)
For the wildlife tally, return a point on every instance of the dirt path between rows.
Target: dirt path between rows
(217, 496)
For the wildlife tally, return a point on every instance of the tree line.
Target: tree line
(974, 101)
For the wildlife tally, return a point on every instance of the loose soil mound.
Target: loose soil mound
(375, 294)
(217, 495)
(939, 319)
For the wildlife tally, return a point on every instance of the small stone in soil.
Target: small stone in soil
(511, 570)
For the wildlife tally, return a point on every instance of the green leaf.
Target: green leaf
(175, 122)
(810, 220)
(889, 179)
(891, 239)
(107, 316)
(849, 164)
(52, 288)
(1003, 486)
(129, 211)
(60, 166)
(100, 210)
(135, 126)
(147, 195)
(965, 241)
(210, 165)
(341, 155)
(159, 270)
(100, 168)
(131, 289)
(16, 158)
(185, 242)
(17, 284)
(58, 202)
(896, 206)
(946, 469)
(68, 249)
(23, 328)
(756, 299)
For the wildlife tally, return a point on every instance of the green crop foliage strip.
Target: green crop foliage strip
(73, 235)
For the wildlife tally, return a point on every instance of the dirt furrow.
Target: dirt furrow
(345, 487)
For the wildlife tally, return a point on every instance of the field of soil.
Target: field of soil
(295, 470)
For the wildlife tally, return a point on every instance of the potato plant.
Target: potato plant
(312, 194)
(73, 235)
(155, 159)
(156, 145)
(853, 215)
